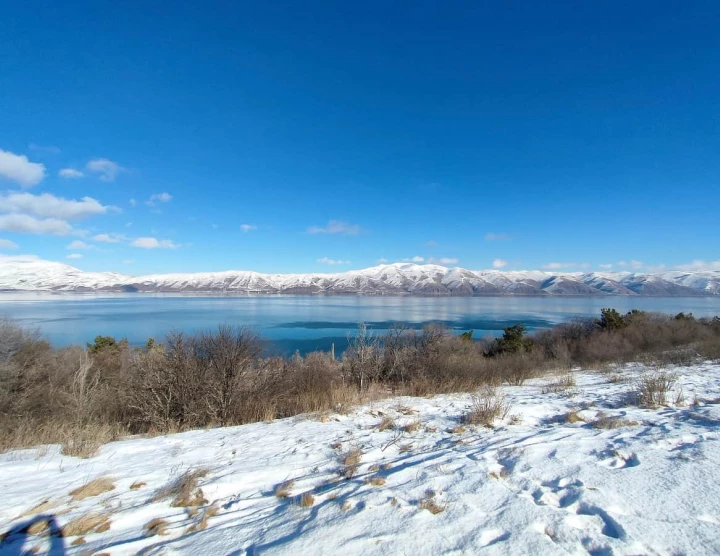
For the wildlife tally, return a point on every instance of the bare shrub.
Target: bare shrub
(652, 389)
(375, 480)
(93, 488)
(486, 407)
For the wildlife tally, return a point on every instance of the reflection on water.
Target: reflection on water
(306, 322)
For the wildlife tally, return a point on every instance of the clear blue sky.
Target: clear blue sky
(574, 134)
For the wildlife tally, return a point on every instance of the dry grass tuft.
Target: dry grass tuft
(429, 503)
(562, 384)
(458, 429)
(184, 490)
(84, 442)
(200, 525)
(609, 422)
(406, 410)
(574, 417)
(405, 448)
(352, 456)
(346, 506)
(137, 484)
(336, 445)
(502, 474)
(375, 480)
(486, 407)
(93, 488)
(156, 526)
(652, 389)
(79, 541)
(411, 427)
(283, 489)
(306, 500)
(39, 528)
(86, 524)
(42, 507)
(386, 466)
(386, 424)
(374, 468)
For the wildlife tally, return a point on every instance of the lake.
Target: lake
(306, 323)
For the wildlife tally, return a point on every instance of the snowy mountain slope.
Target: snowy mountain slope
(537, 483)
(388, 279)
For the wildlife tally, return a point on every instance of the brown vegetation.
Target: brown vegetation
(86, 524)
(93, 488)
(85, 397)
(183, 490)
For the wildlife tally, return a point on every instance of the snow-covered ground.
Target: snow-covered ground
(538, 483)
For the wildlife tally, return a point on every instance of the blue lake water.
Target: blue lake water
(305, 322)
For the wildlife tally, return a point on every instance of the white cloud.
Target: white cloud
(415, 259)
(443, 260)
(248, 227)
(158, 197)
(133, 202)
(18, 258)
(560, 266)
(500, 263)
(50, 149)
(698, 265)
(7, 244)
(331, 262)
(70, 173)
(635, 265)
(153, 243)
(496, 237)
(108, 238)
(75, 256)
(336, 227)
(605, 266)
(382, 260)
(23, 223)
(128, 261)
(107, 170)
(77, 244)
(49, 206)
(17, 168)
(431, 243)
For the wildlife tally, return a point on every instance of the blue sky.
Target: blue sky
(284, 136)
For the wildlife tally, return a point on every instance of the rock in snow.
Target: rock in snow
(388, 279)
(614, 479)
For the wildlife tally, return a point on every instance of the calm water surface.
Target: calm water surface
(306, 322)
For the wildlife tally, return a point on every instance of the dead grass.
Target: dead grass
(157, 526)
(352, 456)
(405, 448)
(93, 488)
(78, 542)
(563, 384)
(39, 528)
(458, 429)
(429, 503)
(574, 417)
(283, 489)
(202, 523)
(346, 506)
(375, 480)
(86, 524)
(502, 474)
(84, 442)
(386, 424)
(411, 427)
(306, 500)
(137, 484)
(184, 490)
(42, 507)
(610, 422)
(652, 390)
(486, 407)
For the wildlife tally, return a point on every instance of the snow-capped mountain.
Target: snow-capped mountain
(387, 279)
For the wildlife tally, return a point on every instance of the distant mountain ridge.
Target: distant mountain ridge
(387, 279)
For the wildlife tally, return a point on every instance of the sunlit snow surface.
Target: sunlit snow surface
(535, 484)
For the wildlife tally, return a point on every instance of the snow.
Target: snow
(398, 278)
(534, 484)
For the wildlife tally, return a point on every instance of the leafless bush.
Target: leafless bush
(486, 407)
(652, 390)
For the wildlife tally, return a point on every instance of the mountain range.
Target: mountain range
(386, 279)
